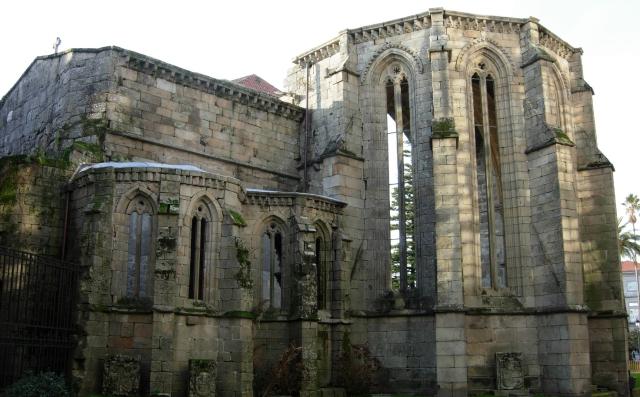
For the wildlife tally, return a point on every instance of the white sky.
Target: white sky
(230, 39)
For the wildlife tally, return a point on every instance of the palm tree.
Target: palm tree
(628, 242)
(632, 205)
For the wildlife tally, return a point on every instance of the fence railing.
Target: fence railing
(37, 300)
(634, 366)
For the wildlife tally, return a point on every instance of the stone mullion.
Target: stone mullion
(397, 93)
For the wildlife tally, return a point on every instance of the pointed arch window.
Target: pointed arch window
(401, 198)
(272, 272)
(139, 253)
(199, 258)
(489, 181)
(322, 268)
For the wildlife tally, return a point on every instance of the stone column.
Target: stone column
(165, 288)
(450, 336)
(304, 310)
(556, 262)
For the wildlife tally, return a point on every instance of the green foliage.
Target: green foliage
(241, 314)
(628, 242)
(562, 137)
(410, 213)
(444, 128)
(243, 276)
(632, 206)
(46, 384)
(237, 218)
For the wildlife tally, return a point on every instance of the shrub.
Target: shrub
(359, 372)
(44, 384)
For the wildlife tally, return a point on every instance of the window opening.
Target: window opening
(401, 194)
(321, 274)
(198, 254)
(139, 249)
(272, 266)
(489, 182)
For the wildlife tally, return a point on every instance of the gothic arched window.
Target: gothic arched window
(401, 191)
(199, 260)
(322, 267)
(272, 266)
(489, 181)
(140, 248)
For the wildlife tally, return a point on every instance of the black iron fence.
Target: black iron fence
(37, 299)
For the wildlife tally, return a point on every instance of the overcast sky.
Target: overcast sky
(232, 38)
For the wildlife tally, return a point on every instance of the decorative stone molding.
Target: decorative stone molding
(555, 44)
(478, 44)
(121, 376)
(319, 53)
(390, 28)
(464, 21)
(220, 88)
(202, 378)
(509, 373)
(269, 198)
(153, 174)
(417, 62)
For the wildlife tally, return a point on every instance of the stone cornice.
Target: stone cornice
(390, 28)
(318, 53)
(464, 21)
(151, 174)
(556, 44)
(221, 88)
(289, 199)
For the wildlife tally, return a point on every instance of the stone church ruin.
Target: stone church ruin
(425, 198)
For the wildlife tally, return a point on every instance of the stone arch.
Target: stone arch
(490, 49)
(563, 94)
(483, 56)
(123, 203)
(210, 220)
(274, 271)
(388, 51)
(323, 264)
(133, 268)
(208, 199)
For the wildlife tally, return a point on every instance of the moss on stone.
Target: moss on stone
(237, 218)
(561, 137)
(240, 314)
(92, 149)
(444, 128)
(243, 276)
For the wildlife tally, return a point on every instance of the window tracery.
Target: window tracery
(489, 179)
(199, 260)
(139, 253)
(401, 199)
(272, 266)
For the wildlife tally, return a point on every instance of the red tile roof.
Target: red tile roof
(628, 266)
(257, 83)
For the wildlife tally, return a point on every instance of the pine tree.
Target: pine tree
(409, 206)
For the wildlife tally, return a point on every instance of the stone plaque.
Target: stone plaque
(121, 376)
(509, 374)
(202, 378)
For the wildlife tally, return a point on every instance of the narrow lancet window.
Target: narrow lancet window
(489, 182)
(139, 249)
(400, 181)
(321, 274)
(198, 261)
(272, 267)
